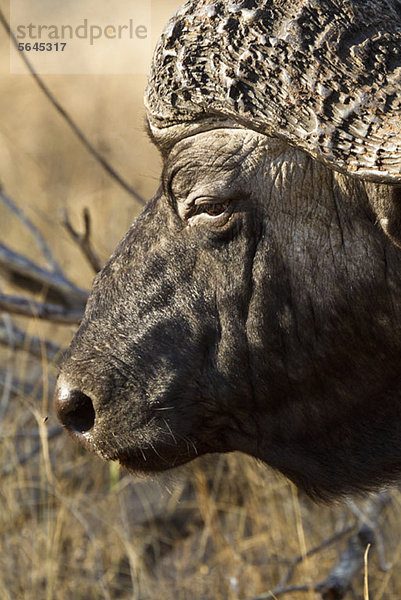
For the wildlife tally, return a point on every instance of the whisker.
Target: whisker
(170, 430)
(157, 453)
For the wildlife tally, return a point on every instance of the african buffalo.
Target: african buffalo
(254, 304)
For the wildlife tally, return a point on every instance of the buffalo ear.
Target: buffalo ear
(386, 203)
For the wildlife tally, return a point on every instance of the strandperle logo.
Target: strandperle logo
(85, 31)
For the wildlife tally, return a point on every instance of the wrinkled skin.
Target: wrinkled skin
(253, 307)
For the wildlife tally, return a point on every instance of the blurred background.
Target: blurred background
(71, 526)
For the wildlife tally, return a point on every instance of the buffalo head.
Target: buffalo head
(253, 305)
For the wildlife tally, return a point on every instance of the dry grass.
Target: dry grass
(72, 527)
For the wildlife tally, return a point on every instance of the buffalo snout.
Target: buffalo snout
(74, 408)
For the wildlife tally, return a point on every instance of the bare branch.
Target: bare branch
(282, 591)
(29, 434)
(21, 389)
(368, 513)
(324, 544)
(30, 276)
(73, 126)
(30, 308)
(10, 468)
(351, 562)
(47, 253)
(83, 240)
(16, 339)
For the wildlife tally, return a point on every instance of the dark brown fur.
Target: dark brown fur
(276, 331)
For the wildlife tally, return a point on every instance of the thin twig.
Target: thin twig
(83, 240)
(28, 434)
(349, 565)
(368, 512)
(339, 580)
(6, 393)
(33, 278)
(10, 468)
(16, 339)
(353, 558)
(47, 253)
(22, 389)
(48, 312)
(73, 126)
(282, 591)
(324, 544)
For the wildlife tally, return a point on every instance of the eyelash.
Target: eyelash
(213, 209)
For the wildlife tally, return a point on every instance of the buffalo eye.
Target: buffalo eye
(211, 209)
(204, 211)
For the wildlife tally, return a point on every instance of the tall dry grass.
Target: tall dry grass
(72, 527)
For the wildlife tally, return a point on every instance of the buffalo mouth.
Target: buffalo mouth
(141, 461)
(151, 459)
(137, 457)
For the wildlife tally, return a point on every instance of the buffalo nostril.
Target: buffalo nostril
(75, 410)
